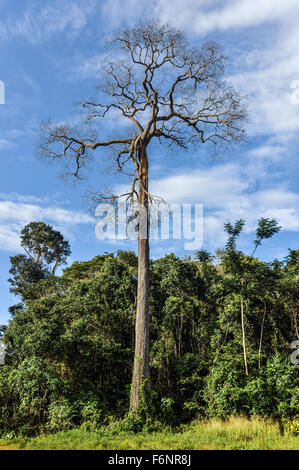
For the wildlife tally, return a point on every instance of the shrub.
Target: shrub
(62, 416)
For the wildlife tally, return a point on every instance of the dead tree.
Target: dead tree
(166, 91)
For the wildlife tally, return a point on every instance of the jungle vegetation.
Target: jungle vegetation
(220, 335)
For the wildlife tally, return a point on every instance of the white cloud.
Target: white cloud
(202, 185)
(14, 215)
(200, 16)
(38, 23)
(9, 237)
(224, 15)
(120, 11)
(267, 83)
(88, 67)
(226, 193)
(22, 198)
(268, 151)
(4, 143)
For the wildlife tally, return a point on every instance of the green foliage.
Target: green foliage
(266, 229)
(26, 392)
(275, 391)
(233, 231)
(167, 410)
(291, 426)
(24, 273)
(44, 247)
(70, 344)
(224, 391)
(42, 243)
(132, 423)
(61, 416)
(91, 412)
(203, 256)
(235, 433)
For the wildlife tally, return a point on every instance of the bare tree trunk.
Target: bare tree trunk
(141, 358)
(261, 335)
(243, 334)
(295, 319)
(54, 267)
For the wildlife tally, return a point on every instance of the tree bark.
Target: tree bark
(141, 358)
(295, 318)
(261, 335)
(243, 334)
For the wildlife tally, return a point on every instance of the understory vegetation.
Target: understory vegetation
(233, 434)
(220, 335)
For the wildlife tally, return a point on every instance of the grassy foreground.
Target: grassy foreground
(236, 433)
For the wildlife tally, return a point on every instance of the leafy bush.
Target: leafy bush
(275, 392)
(62, 416)
(91, 412)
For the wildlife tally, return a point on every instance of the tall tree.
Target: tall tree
(266, 229)
(44, 244)
(45, 250)
(241, 268)
(165, 90)
(234, 258)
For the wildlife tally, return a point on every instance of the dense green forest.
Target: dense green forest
(220, 333)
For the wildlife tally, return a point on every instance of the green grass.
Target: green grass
(236, 433)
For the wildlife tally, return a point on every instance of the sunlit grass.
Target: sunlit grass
(235, 433)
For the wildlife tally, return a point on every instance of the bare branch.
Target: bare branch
(165, 90)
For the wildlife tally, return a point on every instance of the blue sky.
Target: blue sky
(50, 54)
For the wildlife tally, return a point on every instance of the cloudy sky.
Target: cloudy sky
(50, 54)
